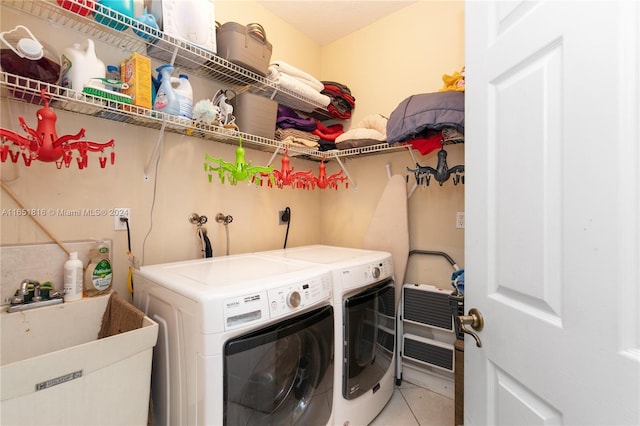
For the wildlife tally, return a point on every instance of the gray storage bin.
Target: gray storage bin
(255, 114)
(246, 46)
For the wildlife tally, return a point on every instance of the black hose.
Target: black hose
(208, 250)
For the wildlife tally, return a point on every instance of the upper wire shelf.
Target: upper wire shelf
(151, 42)
(198, 60)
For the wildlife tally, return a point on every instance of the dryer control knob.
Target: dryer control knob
(376, 272)
(293, 299)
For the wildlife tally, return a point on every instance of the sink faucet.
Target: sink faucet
(36, 293)
(19, 301)
(23, 291)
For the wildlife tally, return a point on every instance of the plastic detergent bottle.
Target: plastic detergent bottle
(24, 55)
(73, 277)
(166, 98)
(113, 74)
(98, 276)
(122, 12)
(79, 63)
(185, 95)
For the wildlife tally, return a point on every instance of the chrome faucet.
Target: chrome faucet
(23, 291)
(19, 301)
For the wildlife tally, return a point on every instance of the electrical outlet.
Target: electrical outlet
(119, 225)
(460, 220)
(284, 216)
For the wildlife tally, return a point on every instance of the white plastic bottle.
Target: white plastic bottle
(78, 64)
(185, 95)
(73, 275)
(166, 98)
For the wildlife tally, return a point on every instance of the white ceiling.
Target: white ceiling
(327, 21)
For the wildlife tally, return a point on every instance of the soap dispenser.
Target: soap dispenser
(99, 274)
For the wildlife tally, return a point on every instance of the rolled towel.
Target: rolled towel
(307, 78)
(296, 85)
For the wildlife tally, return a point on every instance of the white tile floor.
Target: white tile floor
(412, 405)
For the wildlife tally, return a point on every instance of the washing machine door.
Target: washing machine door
(281, 374)
(369, 338)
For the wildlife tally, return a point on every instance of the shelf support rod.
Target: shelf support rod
(346, 172)
(273, 156)
(173, 56)
(156, 150)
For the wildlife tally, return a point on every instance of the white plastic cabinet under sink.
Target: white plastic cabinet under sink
(55, 371)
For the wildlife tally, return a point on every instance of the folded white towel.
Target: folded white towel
(296, 85)
(307, 78)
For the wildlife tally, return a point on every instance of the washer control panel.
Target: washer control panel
(299, 295)
(365, 274)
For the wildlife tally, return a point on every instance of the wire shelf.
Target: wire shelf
(149, 41)
(21, 89)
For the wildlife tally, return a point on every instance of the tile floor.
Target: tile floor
(412, 405)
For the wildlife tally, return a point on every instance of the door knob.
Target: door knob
(475, 320)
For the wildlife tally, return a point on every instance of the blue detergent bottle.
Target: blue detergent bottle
(166, 99)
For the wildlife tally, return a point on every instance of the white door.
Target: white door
(552, 212)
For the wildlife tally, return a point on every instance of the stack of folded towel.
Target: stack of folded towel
(293, 79)
(295, 130)
(328, 135)
(342, 102)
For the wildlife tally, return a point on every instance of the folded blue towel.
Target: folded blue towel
(457, 280)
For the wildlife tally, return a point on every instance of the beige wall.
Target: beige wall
(403, 54)
(365, 61)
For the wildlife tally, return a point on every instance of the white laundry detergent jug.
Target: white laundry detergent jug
(78, 64)
(185, 95)
(166, 98)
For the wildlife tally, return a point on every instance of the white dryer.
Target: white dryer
(364, 298)
(243, 340)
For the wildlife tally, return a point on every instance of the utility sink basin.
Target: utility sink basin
(56, 371)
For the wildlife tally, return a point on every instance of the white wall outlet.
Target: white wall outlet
(460, 220)
(119, 225)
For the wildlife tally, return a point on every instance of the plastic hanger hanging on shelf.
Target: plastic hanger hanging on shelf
(441, 172)
(286, 176)
(44, 144)
(238, 171)
(323, 181)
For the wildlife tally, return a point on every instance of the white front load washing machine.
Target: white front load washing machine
(243, 340)
(364, 298)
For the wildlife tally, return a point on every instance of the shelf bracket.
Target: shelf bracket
(415, 184)
(273, 156)
(346, 172)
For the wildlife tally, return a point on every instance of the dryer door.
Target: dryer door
(369, 327)
(281, 374)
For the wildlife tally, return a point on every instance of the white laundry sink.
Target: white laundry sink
(54, 370)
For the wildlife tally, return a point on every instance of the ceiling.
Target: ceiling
(327, 21)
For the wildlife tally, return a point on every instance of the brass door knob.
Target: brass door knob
(475, 320)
